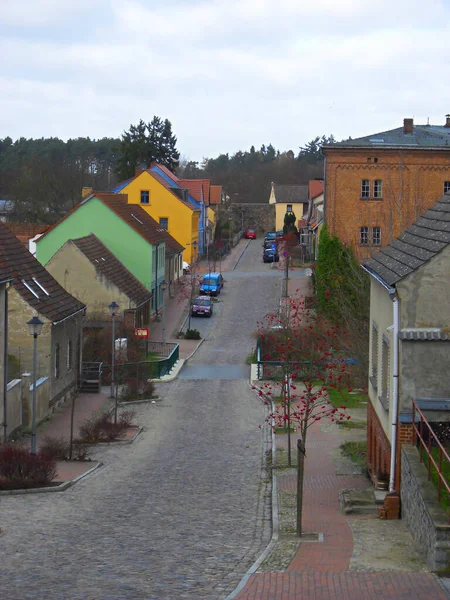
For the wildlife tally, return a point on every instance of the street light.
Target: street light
(113, 309)
(163, 286)
(35, 328)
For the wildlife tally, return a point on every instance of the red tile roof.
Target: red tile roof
(33, 282)
(215, 196)
(315, 188)
(26, 231)
(112, 269)
(194, 186)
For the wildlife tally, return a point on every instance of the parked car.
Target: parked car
(211, 284)
(203, 305)
(280, 235)
(250, 234)
(186, 268)
(270, 255)
(269, 243)
(270, 236)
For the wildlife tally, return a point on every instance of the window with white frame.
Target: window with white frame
(69, 355)
(376, 236)
(446, 186)
(374, 379)
(385, 373)
(378, 189)
(365, 188)
(364, 236)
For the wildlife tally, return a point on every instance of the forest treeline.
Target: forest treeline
(43, 177)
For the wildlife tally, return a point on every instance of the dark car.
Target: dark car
(203, 305)
(250, 234)
(270, 236)
(270, 255)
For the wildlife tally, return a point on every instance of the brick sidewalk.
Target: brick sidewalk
(320, 570)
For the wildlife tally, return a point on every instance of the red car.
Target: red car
(250, 234)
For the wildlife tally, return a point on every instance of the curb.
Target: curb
(242, 254)
(56, 488)
(275, 524)
(119, 442)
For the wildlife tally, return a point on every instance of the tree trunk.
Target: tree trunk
(300, 476)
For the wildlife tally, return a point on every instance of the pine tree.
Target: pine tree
(147, 142)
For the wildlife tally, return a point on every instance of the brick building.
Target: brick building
(377, 186)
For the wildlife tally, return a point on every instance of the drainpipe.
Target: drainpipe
(5, 368)
(394, 430)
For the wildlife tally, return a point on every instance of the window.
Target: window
(385, 375)
(164, 222)
(376, 236)
(364, 235)
(375, 160)
(378, 189)
(57, 361)
(145, 197)
(69, 355)
(373, 379)
(365, 188)
(446, 186)
(289, 208)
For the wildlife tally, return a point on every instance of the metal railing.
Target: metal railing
(144, 369)
(425, 438)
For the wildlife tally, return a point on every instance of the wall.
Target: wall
(14, 406)
(63, 387)
(95, 217)
(183, 223)
(280, 209)
(70, 267)
(423, 515)
(251, 216)
(412, 182)
(2, 345)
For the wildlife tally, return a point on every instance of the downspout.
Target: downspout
(395, 375)
(5, 369)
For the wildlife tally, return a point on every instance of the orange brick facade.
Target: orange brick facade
(379, 446)
(412, 180)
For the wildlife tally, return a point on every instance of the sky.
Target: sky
(228, 74)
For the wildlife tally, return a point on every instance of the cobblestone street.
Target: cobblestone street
(183, 511)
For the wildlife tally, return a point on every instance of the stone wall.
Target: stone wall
(423, 514)
(254, 216)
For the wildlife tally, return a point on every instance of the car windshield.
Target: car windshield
(208, 281)
(250, 231)
(271, 235)
(203, 302)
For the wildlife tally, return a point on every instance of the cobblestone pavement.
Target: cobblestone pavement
(179, 514)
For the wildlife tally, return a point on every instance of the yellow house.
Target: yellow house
(288, 198)
(168, 205)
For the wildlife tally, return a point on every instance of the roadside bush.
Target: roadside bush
(192, 334)
(57, 448)
(138, 389)
(20, 469)
(101, 427)
(80, 450)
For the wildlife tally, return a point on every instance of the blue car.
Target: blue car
(271, 255)
(211, 284)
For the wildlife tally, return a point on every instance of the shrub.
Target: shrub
(20, 469)
(57, 448)
(101, 427)
(192, 334)
(137, 389)
(80, 450)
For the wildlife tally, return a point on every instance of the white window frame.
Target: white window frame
(378, 189)
(364, 236)
(376, 236)
(365, 188)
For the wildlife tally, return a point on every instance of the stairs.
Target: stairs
(90, 379)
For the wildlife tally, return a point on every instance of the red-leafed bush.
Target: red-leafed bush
(20, 469)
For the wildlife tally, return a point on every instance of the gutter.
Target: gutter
(69, 316)
(395, 373)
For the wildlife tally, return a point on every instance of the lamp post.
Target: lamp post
(113, 309)
(35, 328)
(163, 286)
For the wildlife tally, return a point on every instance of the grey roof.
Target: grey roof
(423, 136)
(291, 193)
(423, 334)
(420, 242)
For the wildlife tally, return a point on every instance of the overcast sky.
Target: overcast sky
(226, 73)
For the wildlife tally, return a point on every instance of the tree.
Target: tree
(289, 226)
(305, 350)
(144, 143)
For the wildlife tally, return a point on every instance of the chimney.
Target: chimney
(85, 191)
(447, 121)
(408, 125)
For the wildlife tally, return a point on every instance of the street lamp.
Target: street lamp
(35, 328)
(113, 309)
(163, 286)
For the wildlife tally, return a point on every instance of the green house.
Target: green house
(136, 239)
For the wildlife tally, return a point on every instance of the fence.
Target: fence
(426, 439)
(145, 369)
